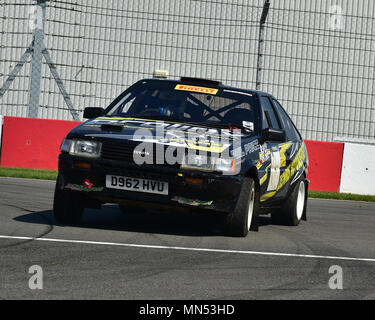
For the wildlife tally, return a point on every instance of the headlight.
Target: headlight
(225, 165)
(203, 163)
(65, 146)
(82, 148)
(197, 162)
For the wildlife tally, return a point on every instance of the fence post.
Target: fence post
(36, 62)
(261, 44)
(60, 85)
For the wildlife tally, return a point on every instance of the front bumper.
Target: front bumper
(217, 193)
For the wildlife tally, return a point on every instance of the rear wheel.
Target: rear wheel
(294, 207)
(245, 215)
(67, 207)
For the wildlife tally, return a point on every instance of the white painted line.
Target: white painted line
(131, 245)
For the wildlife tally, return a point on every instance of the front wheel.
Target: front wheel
(245, 215)
(67, 207)
(294, 207)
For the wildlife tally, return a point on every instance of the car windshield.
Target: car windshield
(163, 100)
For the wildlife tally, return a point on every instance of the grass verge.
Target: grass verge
(341, 196)
(28, 173)
(52, 175)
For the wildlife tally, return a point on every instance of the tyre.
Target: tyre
(294, 207)
(67, 207)
(245, 215)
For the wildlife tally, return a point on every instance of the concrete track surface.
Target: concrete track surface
(158, 255)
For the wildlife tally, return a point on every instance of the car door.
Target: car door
(290, 148)
(272, 162)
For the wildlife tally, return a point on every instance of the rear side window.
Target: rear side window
(269, 115)
(290, 130)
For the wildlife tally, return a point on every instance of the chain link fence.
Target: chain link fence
(320, 62)
(318, 59)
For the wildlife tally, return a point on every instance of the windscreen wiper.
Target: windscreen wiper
(167, 118)
(229, 126)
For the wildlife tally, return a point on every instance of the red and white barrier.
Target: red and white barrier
(358, 169)
(345, 167)
(325, 160)
(1, 130)
(33, 143)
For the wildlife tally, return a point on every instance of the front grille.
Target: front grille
(123, 151)
(119, 150)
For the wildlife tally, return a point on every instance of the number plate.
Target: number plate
(135, 184)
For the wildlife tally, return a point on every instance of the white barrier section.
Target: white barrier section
(358, 169)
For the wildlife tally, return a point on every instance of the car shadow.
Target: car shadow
(110, 217)
(265, 220)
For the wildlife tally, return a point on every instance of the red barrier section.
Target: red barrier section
(325, 162)
(33, 143)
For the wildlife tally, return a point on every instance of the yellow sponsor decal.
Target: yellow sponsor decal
(289, 172)
(264, 178)
(283, 148)
(202, 145)
(185, 87)
(213, 149)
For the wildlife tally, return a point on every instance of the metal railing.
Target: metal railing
(317, 59)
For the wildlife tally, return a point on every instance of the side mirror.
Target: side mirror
(91, 113)
(270, 134)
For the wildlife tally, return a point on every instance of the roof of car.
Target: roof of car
(202, 82)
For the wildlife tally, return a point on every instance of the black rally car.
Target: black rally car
(192, 143)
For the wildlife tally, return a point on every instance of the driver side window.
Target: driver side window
(290, 130)
(270, 119)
